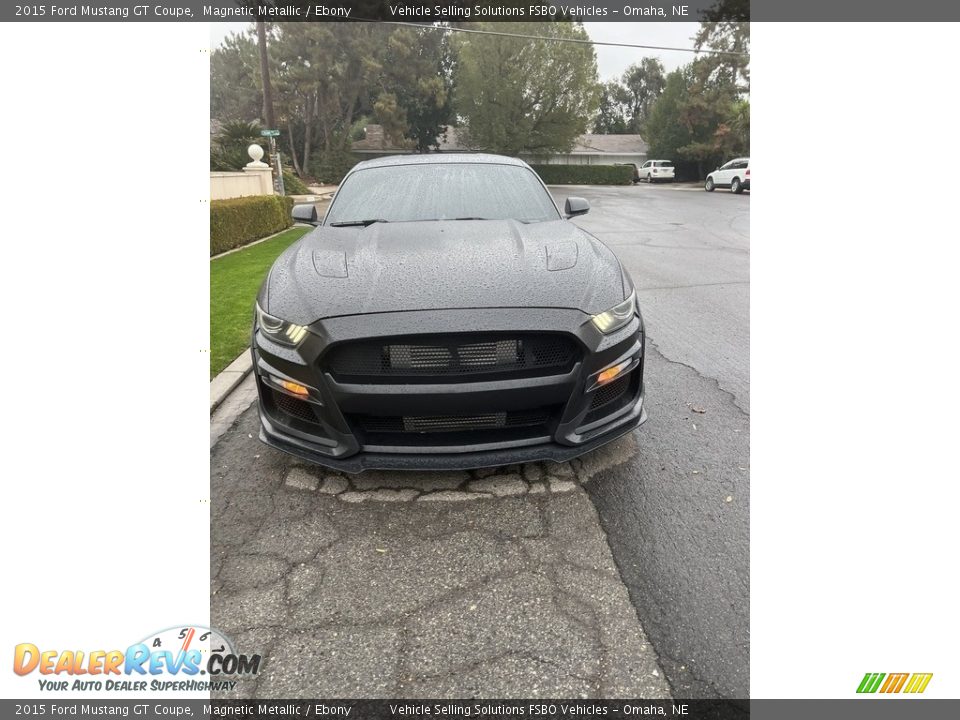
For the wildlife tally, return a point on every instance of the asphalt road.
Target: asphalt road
(677, 515)
(623, 574)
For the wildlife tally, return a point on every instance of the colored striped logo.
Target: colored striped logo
(894, 682)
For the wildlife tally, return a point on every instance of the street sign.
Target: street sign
(269, 133)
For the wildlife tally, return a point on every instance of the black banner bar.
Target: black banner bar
(872, 708)
(380, 10)
(484, 10)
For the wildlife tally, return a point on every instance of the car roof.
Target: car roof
(440, 159)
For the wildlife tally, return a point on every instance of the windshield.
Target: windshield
(442, 191)
(663, 163)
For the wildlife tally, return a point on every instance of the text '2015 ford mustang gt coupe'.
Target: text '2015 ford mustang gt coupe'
(445, 314)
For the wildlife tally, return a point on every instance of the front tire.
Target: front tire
(736, 187)
(708, 185)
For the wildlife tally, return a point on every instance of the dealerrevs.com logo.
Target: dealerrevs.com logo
(183, 658)
(910, 683)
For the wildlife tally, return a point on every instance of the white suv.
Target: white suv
(734, 175)
(655, 170)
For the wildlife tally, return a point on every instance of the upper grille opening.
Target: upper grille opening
(452, 356)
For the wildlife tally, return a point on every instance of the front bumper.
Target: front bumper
(332, 426)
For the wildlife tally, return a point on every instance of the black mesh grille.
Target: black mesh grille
(609, 392)
(451, 423)
(452, 356)
(293, 407)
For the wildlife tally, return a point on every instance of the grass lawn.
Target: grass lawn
(234, 282)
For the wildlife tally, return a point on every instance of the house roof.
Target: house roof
(619, 144)
(375, 140)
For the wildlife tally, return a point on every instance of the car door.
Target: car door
(645, 170)
(724, 175)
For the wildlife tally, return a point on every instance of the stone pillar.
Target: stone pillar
(260, 169)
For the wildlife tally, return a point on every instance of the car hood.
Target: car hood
(404, 266)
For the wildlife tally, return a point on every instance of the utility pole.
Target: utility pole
(265, 75)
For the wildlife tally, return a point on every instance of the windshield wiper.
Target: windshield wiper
(358, 223)
(519, 220)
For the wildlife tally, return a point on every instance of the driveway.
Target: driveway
(623, 574)
(488, 585)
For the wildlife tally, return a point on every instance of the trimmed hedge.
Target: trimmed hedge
(585, 174)
(239, 221)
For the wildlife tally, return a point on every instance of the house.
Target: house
(589, 149)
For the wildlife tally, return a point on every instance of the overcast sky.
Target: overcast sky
(611, 61)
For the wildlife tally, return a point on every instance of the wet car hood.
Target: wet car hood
(391, 267)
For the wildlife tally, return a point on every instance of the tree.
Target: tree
(612, 117)
(703, 116)
(414, 98)
(323, 73)
(642, 84)
(701, 122)
(664, 131)
(234, 80)
(726, 28)
(517, 95)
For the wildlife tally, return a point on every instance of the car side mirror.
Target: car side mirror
(576, 206)
(305, 214)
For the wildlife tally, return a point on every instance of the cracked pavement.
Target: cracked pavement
(622, 574)
(401, 585)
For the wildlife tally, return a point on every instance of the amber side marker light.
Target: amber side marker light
(612, 373)
(293, 388)
(609, 374)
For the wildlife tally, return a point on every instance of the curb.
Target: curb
(228, 379)
(255, 242)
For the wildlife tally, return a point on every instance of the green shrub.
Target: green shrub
(293, 185)
(585, 174)
(239, 221)
(228, 150)
(330, 167)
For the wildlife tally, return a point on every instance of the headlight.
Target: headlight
(280, 330)
(617, 316)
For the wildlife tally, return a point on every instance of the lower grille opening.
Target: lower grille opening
(451, 423)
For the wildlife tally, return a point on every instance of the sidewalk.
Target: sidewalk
(323, 189)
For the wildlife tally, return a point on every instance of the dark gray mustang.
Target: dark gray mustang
(446, 314)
